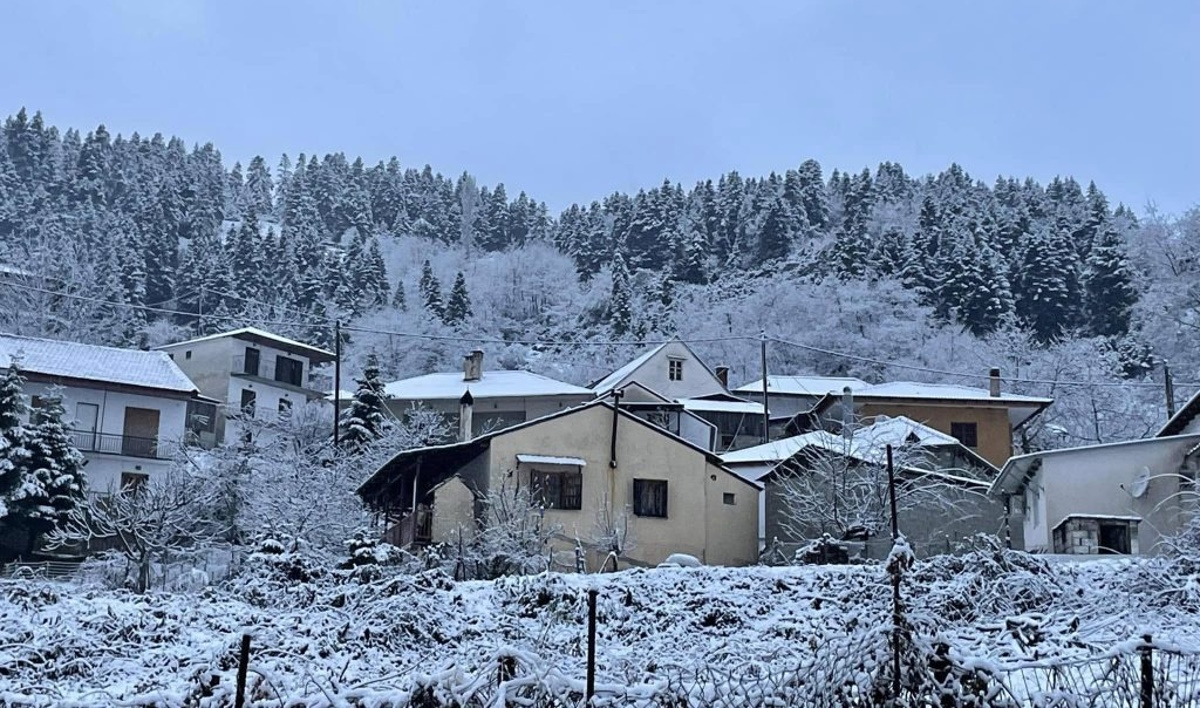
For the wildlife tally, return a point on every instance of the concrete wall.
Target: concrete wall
(782, 404)
(994, 430)
(492, 414)
(696, 524)
(654, 374)
(208, 365)
(455, 506)
(1089, 482)
(104, 469)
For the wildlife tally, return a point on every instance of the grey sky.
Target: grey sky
(570, 102)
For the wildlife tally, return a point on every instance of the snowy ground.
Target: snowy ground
(703, 636)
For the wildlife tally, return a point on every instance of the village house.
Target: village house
(945, 481)
(126, 409)
(983, 419)
(251, 373)
(501, 398)
(1116, 498)
(595, 468)
(793, 399)
(673, 371)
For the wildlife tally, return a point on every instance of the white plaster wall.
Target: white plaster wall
(655, 374)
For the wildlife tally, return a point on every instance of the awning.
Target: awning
(551, 460)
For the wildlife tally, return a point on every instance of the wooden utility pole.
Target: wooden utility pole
(897, 618)
(337, 380)
(766, 434)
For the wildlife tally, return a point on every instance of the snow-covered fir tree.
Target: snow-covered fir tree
(458, 305)
(366, 419)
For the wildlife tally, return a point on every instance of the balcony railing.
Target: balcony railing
(128, 445)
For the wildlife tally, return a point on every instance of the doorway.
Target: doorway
(1114, 539)
(87, 420)
(140, 437)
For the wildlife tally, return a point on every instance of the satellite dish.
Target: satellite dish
(1141, 481)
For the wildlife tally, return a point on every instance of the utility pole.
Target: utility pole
(1170, 386)
(337, 379)
(895, 573)
(766, 434)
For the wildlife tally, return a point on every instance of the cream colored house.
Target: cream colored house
(593, 467)
(250, 372)
(1101, 499)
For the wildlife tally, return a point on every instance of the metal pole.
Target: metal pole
(766, 434)
(1147, 693)
(896, 614)
(1169, 383)
(337, 379)
(591, 647)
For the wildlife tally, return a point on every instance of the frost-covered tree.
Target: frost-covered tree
(1108, 283)
(366, 419)
(458, 306)
(620, 301)
(431, 291)
(53, 482)
(14, 455)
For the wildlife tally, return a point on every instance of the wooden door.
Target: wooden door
(87, 418)
(141, 432)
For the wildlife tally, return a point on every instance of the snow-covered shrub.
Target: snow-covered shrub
(825, 550)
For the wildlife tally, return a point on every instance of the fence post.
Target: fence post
(243, 665)
(1147, 652)
(591, 646)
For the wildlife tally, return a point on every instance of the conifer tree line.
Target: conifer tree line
(151, 221)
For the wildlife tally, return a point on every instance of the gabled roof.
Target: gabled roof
(1017, 471)
(1020, 408)
(1182, 418)
(462, 452)
(315, 355)
(867, 444)
(802, 385)
(492, 384)
(92, 363)
(610, 382)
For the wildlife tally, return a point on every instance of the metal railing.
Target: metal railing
(264, 369)
(110, 444)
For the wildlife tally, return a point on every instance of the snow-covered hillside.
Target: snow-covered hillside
(707, 636)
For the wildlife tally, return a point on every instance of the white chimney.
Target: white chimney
(466, 416)
(473, 366)
(847, 413)
(994, 383)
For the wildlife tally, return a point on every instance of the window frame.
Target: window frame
(729, 499)
(960, 430)
(675, 369)
(643, 491)
(286, 363)
(561, 490)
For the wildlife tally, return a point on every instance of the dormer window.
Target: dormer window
(675, 369)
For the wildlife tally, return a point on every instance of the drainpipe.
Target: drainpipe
(466, 416)
(612, 453)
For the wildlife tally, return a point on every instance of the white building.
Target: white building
(127, 409)
(250, 372)
(1100, 499)
(501, 398)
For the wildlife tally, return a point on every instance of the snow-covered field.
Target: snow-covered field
(704, 636)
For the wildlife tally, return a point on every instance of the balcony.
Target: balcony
(109, 444)
(281, 371)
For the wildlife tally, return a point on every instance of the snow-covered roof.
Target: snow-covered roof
(701, 404)
(492, 384)
(1013, 475)
(608, 382)
(868, 443)
(1180, 421)
(1098, 517)
(1020, 408)
(88, 362)
(315, 354)
(803, 385)
(532, 459)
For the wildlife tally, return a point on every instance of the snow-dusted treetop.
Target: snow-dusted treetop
(94, 363)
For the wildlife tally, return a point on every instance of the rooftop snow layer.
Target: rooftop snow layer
(868, 442)
(703, 404)
(912, 389)
(608, 382)
(493, 384)
(89, 362)
(803, 385)
(317, 354)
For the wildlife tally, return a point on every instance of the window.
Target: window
(251, 361)
(675, 369)
(650, 497)
(558, 490)
(132, 482)
(201, 416)
(289, 371)
(186, 355)
(285, 407)
(249, 399)
(728, 498)
(967, 433)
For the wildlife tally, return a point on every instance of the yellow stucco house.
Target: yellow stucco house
(587, 466)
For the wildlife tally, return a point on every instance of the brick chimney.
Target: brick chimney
(466, 416)
(722, 373)
(473, 366)
(847, 413)
(994, 382)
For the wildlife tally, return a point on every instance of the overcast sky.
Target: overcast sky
(571, 103)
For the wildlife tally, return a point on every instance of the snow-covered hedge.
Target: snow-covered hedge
(710, 636)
